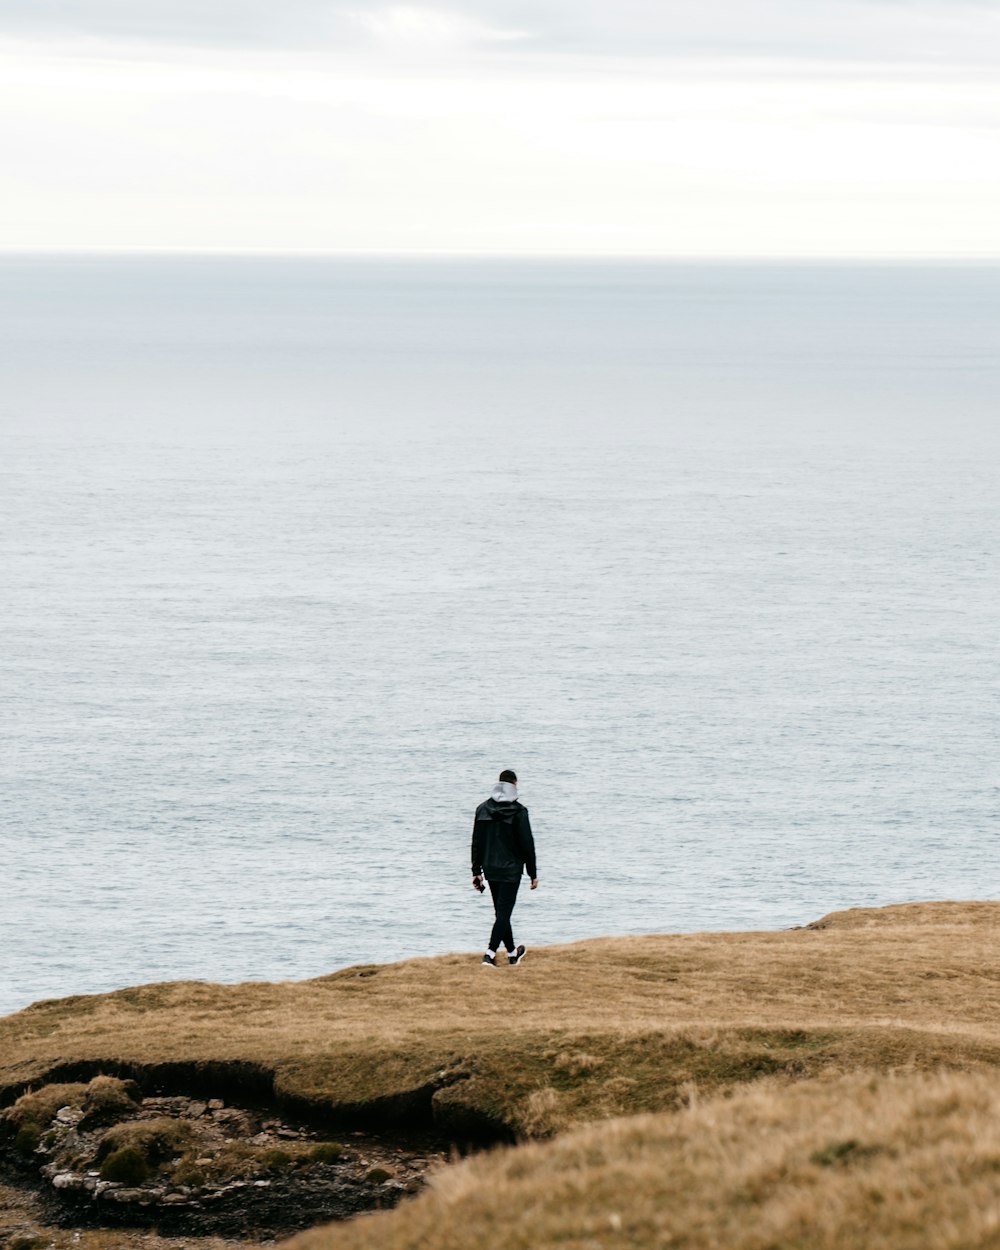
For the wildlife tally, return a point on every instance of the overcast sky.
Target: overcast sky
(716, 127)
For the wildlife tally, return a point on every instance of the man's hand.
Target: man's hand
(534, 883)
(477, 883)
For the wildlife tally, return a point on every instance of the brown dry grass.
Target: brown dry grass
(880, 1163)
(589, 1030)
(607, 1028)
(39, 1106)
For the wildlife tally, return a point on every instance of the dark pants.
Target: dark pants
(504, 897)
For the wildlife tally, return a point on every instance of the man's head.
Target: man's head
(508, 774)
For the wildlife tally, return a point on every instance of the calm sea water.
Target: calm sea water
(297, 554)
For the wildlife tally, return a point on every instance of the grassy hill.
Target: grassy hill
(789, 1085)
(860, 1162)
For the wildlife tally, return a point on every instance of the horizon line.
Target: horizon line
(456, 254)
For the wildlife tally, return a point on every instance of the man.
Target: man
(502, 847)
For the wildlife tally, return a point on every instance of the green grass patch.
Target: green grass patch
(127, 1166)
(155, 1140)
(188, 1173)
(27, 1140)
(276, 1160)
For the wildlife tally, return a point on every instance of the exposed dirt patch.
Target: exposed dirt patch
(24, 1226)
(102, 1154)
(424, 1105)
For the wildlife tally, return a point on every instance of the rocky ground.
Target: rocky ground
(23, 1226)
(101, 1154)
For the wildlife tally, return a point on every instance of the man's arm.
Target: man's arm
(526, 844)
(477, 850)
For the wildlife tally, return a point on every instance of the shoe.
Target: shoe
(489, 961)
(515, 957)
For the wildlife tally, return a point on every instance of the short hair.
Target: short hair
(508, 774)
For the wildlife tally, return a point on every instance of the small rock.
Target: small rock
(67, 1180)
(262, 1184)
(196, 1109)
(69, 1115)
(174, 1199)
(215, 1104)
(203, 1163)
(232, 1120)
(127, 1195)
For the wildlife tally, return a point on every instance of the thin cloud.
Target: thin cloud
(235, 23)
(921, 31)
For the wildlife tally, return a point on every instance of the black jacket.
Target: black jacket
(502, 845)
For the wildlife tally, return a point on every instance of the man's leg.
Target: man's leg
(504, 897)
(496, 936)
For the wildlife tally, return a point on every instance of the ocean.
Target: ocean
(298, 553)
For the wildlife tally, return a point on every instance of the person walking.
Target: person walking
(502, 848)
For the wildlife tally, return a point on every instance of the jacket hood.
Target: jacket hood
(503, 810)
(504, 792)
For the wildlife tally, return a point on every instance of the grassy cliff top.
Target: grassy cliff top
(580, 1032)
(879, 1162)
